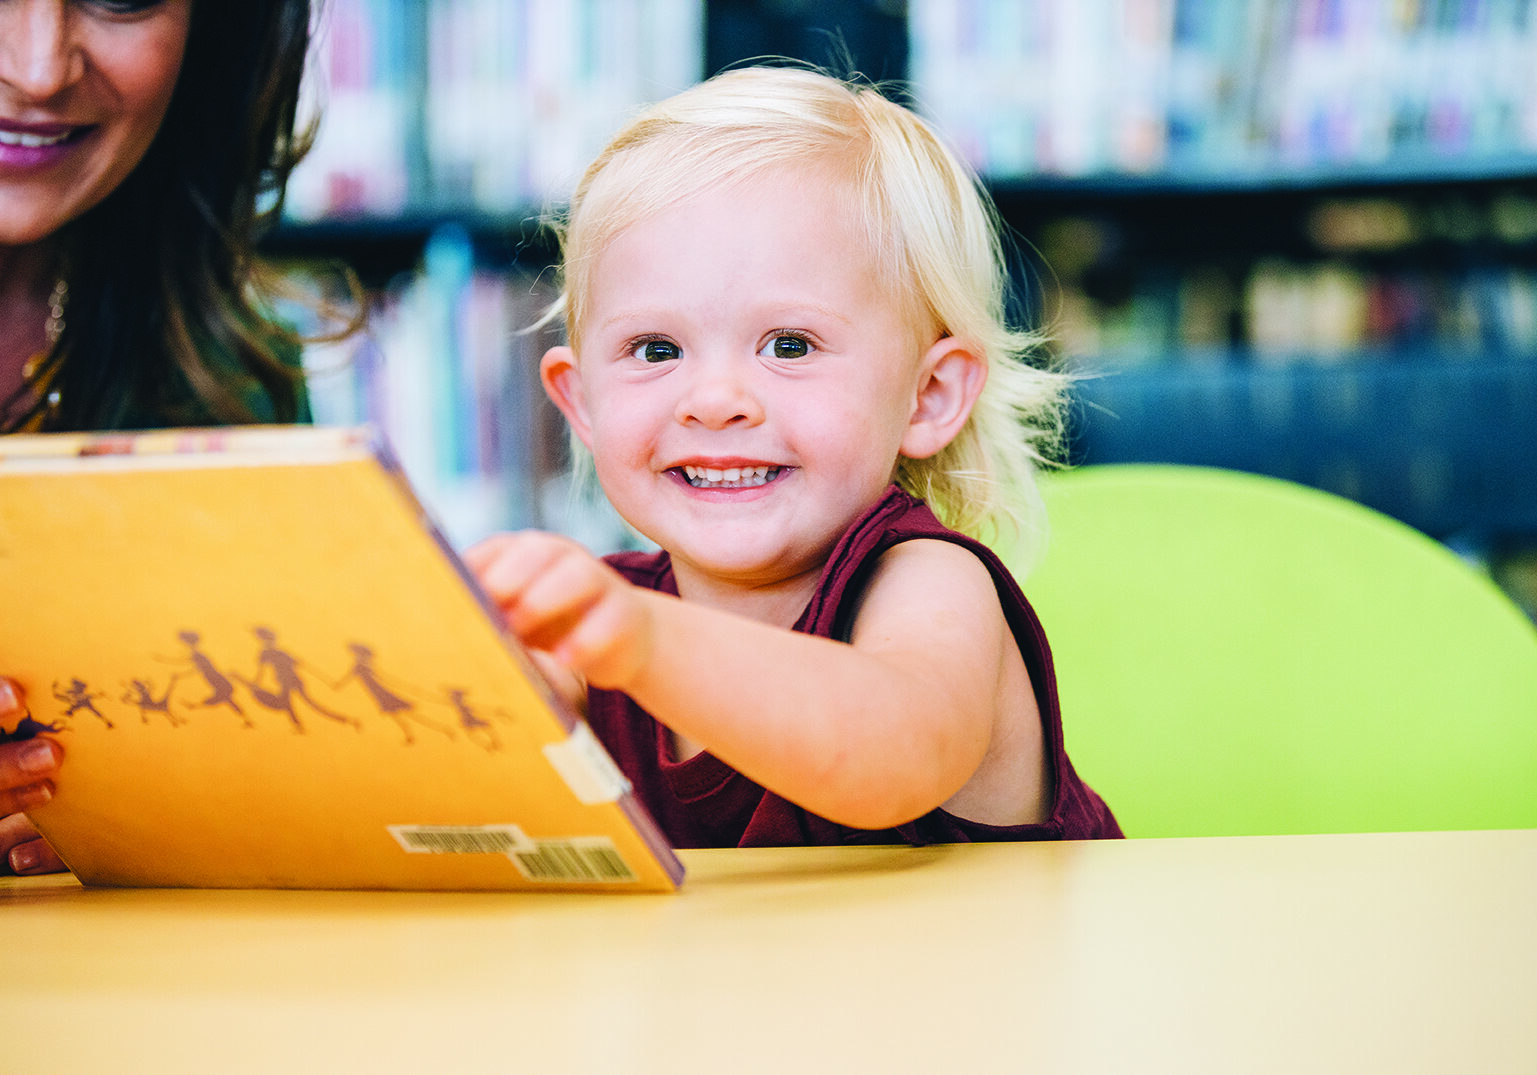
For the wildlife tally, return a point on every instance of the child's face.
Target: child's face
(745, 382)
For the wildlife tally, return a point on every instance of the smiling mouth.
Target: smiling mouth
(730, 477)
(32, 141)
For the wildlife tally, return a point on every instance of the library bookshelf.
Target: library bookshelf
(1298, 238)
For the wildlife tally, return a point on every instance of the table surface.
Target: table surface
(1400, 952)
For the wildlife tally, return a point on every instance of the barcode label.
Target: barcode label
(581, 858)
(461, 839)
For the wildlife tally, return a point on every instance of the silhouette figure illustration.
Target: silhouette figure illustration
(476, 729)
(285, 669)
(139, 692)
(221, 689)
(390, 704)
(78, 696)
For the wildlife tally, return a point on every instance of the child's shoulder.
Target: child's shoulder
(941, 577)
(899, 548)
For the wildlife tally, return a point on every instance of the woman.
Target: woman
(143, 144)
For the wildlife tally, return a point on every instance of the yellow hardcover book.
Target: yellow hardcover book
(267, 669)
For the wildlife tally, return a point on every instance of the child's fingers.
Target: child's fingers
(514, 545)
(605, 644)
(542, 583)
(506, 564)
(554, 602)
(558, 597)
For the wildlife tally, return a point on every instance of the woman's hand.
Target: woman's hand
(27, 768)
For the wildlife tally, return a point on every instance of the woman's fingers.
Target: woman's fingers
(22, 850)
(26, 773)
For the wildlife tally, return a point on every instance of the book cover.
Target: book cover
(268, 669)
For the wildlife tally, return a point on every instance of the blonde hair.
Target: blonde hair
(934, 233)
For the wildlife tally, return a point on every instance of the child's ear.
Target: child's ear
(950, 378)
(563, 384)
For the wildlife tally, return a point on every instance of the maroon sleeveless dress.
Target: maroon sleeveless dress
(703, 802)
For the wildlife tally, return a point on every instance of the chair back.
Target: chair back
(1239, 654)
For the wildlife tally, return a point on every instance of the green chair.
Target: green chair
(1243, 655)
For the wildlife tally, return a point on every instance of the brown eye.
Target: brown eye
(657, 351)
(786, 345)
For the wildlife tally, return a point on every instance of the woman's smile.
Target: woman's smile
(33, 145)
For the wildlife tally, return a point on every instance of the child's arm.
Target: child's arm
(922, 709)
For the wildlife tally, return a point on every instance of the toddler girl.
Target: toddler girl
(789, 361)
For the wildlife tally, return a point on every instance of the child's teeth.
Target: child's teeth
(730, 477)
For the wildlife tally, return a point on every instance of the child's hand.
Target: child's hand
(558, 597)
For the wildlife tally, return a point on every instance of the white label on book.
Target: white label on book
(461, 839)
(586, 768)
(575, 858)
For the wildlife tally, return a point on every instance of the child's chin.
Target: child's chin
(750, 567)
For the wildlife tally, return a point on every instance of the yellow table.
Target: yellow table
(1378, 953)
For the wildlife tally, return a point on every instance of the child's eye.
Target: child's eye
(786, 345)
(656, 351)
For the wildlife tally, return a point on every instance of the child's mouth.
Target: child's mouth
(729, 477)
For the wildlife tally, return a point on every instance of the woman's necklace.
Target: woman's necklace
(53, 328)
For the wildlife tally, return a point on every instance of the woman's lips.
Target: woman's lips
(26, 145)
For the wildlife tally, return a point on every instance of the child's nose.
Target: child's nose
(719, 395)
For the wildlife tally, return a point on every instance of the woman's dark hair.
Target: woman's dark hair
(164, 319)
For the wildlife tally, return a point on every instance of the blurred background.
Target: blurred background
(1295, 237)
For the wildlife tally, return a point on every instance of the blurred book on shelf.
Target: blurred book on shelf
(484, 106)
(1208, 91)
(362, 80)
(1375, 278)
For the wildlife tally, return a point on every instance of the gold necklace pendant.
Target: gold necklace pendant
(54, 328)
